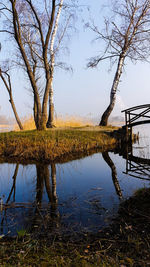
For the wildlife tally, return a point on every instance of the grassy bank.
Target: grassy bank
(56, 144)
(124, 243)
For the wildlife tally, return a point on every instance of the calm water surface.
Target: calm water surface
(79, 196)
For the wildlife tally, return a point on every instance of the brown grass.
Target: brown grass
(60, 121)
(55, 144)
(4, 125)
(71, 121)
(28, 124)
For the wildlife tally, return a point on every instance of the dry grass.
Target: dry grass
(28, 124)
(60, 121)
(4, 125)
(71, 121)
(55, 144)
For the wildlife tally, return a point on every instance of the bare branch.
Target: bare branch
(95, 60)
(34, 26)
(125, 35)
(38, 21)
(6, 31)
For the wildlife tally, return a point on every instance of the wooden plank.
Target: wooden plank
(136, 107)
(140, 115)
(134, 114)
(136, 123)
(139, 160)
(135, 176)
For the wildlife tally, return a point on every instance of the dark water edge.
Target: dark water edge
(64, 158)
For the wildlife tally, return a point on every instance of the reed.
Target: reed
(60, 121)
(71, 121)
(28, 124)
(54, 144)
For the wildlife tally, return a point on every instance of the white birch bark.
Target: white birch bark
(55, 28)
(106, 114)
(137, 14)
(52, 54)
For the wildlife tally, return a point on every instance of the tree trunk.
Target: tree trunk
(18, 38)
(35, 113)
(106, 114)
(50, 122)
(9, 89)
(44, 105)
(15, 112)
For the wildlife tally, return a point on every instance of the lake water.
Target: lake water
(78, 196)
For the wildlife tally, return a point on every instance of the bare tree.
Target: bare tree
(52, 54)
(34, 27)
(126, 35)
(55, 46)
(4, 75)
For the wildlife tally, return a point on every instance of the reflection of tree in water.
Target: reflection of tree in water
(13, 189)
(41, 215)
(45, 217)
(12, 192)
(32, 215)
(110, 163)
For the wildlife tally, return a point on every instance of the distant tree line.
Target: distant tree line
(38, 31)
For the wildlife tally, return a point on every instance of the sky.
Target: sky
(85, 92)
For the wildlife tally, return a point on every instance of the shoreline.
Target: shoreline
(56, 145)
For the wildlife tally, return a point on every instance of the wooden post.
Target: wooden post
(131, 134)
(126, 121)
(127, 133)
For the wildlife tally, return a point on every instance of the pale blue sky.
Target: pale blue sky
(86, 91)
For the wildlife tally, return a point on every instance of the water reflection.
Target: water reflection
(36, 214)
(79, 196)
(138, 167)
(110, 163)
(13, 189)
(137, 164)
(5, 206)
(44, 178)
